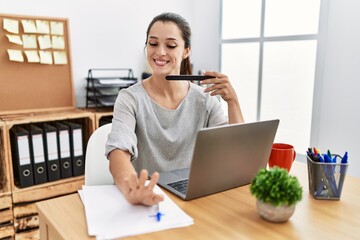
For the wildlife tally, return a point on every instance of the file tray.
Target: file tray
(326, 180)
(104, 84)
(35, 85)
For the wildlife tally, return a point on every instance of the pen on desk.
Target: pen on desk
(158, 214)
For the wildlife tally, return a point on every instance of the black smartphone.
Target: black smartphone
(188, 77)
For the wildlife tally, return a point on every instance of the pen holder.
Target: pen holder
(326, 180)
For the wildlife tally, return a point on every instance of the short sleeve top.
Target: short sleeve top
(160, 139)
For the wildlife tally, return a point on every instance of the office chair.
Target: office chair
(96, 165)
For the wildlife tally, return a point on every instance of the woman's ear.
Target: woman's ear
(187, 52)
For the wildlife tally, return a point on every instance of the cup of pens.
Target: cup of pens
(326, 174)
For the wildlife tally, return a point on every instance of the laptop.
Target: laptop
(224, 157)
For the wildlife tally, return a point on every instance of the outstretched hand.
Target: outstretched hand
(137, 193)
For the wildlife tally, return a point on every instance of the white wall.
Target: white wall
(337, 110)
(111, 33)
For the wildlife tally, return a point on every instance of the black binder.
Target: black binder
(63, 137)
(76, 148)
(51, 151)
(37, 155)
(20, 150)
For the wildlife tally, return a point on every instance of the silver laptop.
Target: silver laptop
(224, 157)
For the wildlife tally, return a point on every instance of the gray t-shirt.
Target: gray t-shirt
(161, 139)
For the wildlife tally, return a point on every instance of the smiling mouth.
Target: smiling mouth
(160, 62)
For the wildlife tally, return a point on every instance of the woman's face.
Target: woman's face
(165, 48)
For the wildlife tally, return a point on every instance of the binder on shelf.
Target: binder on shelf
(76, 148)
(37, 155)
(63, 138)
(105, 120)
(20, 150)
(51, 152)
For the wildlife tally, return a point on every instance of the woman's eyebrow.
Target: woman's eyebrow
(170, 38)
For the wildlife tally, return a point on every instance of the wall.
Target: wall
(337, 110)
(111, 33)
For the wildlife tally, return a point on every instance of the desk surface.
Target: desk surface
(228, 215)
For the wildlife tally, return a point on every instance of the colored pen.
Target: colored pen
(344, 161)
(158, 214)
(345, 158)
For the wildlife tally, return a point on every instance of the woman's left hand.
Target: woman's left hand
(220, 85)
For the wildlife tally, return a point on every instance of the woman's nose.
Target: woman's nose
(161, 51)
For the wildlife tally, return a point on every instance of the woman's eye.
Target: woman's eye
(172, 46)
(153, 44)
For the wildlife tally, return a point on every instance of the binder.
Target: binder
(51, 152)
(105, 120)
(37, 155)
(76, 148)
(63, 140)
(20, 150)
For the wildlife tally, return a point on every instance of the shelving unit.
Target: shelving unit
(103, 85)
(25, 217)
(102, 118)
(37, 93)
(6, 206)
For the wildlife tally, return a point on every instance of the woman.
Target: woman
(155, 121)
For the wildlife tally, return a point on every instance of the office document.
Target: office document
(109, 215)
(32, 56)
(60, 57)
(11, 25)
(29, 41)
(15, 55)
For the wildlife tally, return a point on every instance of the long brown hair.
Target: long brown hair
(184, 27)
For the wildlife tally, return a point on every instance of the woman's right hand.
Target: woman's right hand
(137, 193)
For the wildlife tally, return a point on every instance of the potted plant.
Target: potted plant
(277, 193)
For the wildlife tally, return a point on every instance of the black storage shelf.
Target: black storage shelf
(103, 85)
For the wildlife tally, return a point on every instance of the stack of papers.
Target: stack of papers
(109, 215)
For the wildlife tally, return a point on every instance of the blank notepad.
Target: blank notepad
(109, 215)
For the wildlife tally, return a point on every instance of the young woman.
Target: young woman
(155, 121)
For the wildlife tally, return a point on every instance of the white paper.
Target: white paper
(52, 150)
(42, 26)
(57, 28)
(14, 39)
(29, 26)
(64, 144)
(24, 150)
(11, 25)
(110, 216)
(15, 55)
(116, 81)
(45, 57)
(60, 57)
(38, 148)
(29, 41)
(44, 42)
(58, 42)
(77, 139)
(32, 56)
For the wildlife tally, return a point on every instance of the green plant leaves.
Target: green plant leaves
(276, 186)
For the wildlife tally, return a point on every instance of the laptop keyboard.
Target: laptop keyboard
(180, 185)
